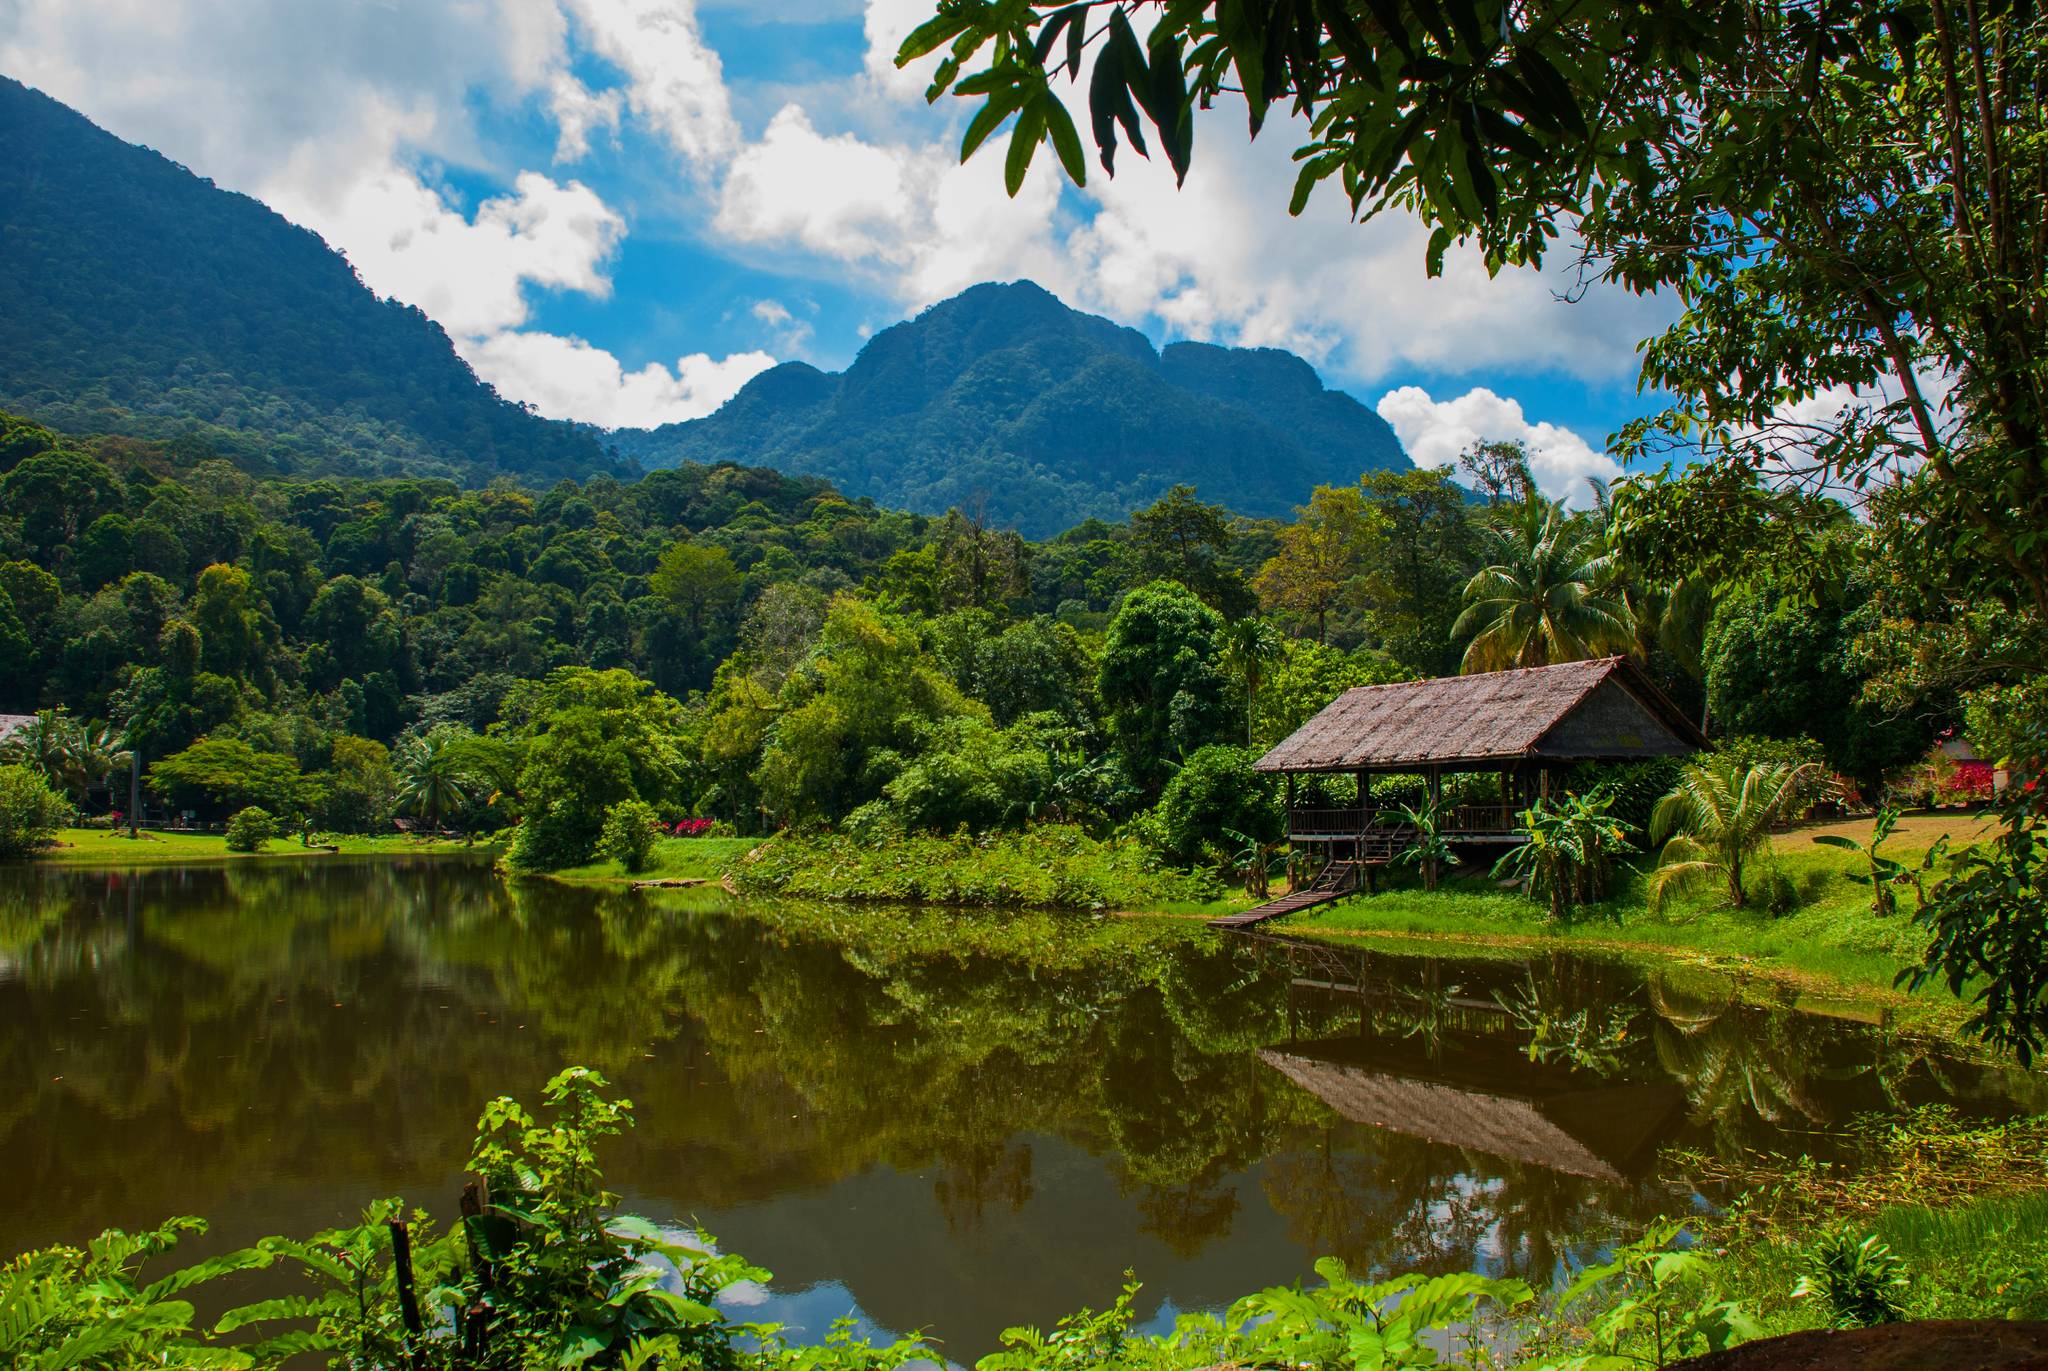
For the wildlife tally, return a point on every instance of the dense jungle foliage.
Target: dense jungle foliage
(757, 649)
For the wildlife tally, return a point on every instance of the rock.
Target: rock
(1934, 1345)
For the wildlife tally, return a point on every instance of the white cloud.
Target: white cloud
(1436, 431)
(470, 275)
(579, 112)
(675, 81)
(908, 215)
(567, 378)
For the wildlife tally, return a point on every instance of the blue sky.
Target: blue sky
(622, 209)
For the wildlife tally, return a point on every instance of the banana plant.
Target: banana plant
(1886, 874)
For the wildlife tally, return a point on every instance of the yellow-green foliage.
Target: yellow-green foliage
(1050, 866)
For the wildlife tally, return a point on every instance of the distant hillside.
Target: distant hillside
(1003, 397)
(138, 298)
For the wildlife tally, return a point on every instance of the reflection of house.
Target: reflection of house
(1518, 725)
(1496, 1102)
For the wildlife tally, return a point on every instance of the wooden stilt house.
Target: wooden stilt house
(1522, 726)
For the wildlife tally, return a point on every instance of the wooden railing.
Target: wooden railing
(1491, 820)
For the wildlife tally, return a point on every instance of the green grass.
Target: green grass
(105, 847)
(673, 859)
(1830, 934)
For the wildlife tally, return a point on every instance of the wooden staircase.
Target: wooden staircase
(1336, 880)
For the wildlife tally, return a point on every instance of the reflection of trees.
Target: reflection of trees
(1739, 1066)
(343, 1023)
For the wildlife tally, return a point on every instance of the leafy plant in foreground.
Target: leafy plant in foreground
(1716, 819)
(1858, 1283)
(70, 1307)
(1656, 1305)
(1430, 849)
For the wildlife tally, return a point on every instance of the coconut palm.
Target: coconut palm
(434, 776)
(1546, 596)
(1248, 645)
(1717, 817)
(97, 756)
(47, 743)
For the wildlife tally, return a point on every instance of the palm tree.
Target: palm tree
(433, 775)
(1547, 596)
(1717, 817)
(96, 755)
(1248, 645)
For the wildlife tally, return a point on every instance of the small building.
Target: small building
(1522, 726)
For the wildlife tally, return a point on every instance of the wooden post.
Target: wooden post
(408, 1297)
(134, 787)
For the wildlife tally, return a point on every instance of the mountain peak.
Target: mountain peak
(1006, 397)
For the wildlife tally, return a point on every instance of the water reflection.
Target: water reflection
(923, 1119)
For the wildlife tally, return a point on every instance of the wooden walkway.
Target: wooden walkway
(1337, 880)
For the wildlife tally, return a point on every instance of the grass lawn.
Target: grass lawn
(104, 847)
(673, 859)
(1830, 935)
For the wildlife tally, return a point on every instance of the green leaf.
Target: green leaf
(1024, 141)
(1066, 139)
(989, 117)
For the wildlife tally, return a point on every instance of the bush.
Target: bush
(250, 829)
(1216, 791)
(30, 812)
(628, 835)
(1776, 893)
(1632, 789)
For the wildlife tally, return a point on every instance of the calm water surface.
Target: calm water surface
(948, 1122)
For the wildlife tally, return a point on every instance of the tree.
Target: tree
(1428, 556)
(590, 739)
(1322, 556)
(1718, 816)
(1249, 645)
(1159, 680)
(235, 627)
(433, 774)
(57, 495)
(1781, 669)
(226, 774)
(1500, 471)
(1546, 596)
(1178, 537)
(868, 688)
(699, 580)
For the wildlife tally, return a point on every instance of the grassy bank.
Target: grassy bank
(105, 847)
(1044, 868)
(1829, 934)
(672, 859)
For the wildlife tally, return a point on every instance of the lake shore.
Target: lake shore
(110, 847)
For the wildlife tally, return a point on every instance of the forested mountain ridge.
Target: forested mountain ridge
(137, 298)
(1003, 399)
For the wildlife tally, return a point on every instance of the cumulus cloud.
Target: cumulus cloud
(1436, 431)
(674, 79)
(567, 378)
(908, 215)
(469, 274)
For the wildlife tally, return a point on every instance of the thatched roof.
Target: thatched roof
(1574, 711)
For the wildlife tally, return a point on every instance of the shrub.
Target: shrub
(250, 829)
(1215, 794)
(1856, 1283)
(1776, 893)
(30, 812)
(628, 834)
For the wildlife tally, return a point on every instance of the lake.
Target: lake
(926, 1120)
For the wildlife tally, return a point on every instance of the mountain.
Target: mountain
(1004, 399)
(138, 298)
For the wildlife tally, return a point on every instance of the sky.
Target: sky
(621, 210)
